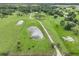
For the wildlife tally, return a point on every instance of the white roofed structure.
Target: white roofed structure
(20, 22)
(35, 32)
(68, 38)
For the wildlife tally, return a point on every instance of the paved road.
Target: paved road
(56, 48)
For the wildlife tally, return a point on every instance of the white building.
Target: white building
(35, 32)
(20, 22)
(68, 38)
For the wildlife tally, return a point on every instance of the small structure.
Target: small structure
(68, 38)
(35, 32)
(20, 22)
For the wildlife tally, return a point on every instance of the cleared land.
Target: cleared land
(54, 23)
(11, 34)
(58, 32)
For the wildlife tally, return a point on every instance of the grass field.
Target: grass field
(71, 46)
(10, 34)
(57, 32)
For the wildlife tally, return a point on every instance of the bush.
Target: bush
(18, 46)
(75, 30)
(55, 16)
(5, 54)
(69, 25)
(18, 42)
(52, 45)
(29, 48)
(33, 46)
(62, 23)
(57, 25)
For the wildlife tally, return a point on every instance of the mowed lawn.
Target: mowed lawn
(10, 34)
(57, 32)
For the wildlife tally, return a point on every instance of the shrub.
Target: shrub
(18, 42)
(62, 23)
(69, 25)
(29, 48)
(5, 54)
(75, 30)
(55, 16)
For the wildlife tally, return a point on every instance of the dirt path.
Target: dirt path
(56, 48)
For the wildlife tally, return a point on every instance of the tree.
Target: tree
(73, 7)
(55, 16)
(75, 21)
(62, 22)
(76, 30)
(19, 13)
(70, 16)
(69, 25)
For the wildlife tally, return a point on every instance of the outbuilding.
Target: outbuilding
(20, 22)
(35, 32)
(68, 38)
